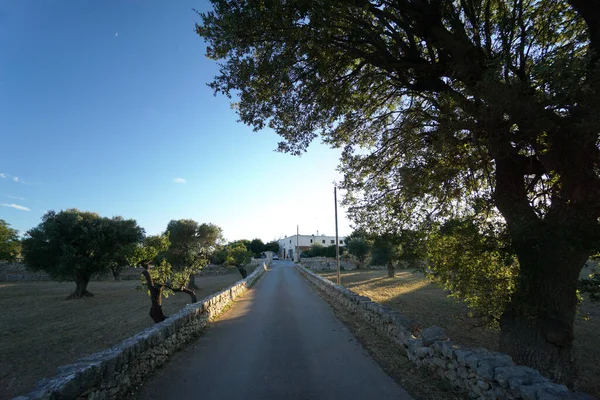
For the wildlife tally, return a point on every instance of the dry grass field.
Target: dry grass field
(415, 297)
(40, 330)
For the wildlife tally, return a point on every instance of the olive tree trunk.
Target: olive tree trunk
(537, 326)
(390, 270)
(81, 288)
(156, 312)
(242, 271)
(116, 273)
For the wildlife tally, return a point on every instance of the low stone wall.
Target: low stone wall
(484, 374)
(18, 272)
(111, 373)
(327, 264)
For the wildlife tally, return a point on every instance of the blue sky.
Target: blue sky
(104, 107)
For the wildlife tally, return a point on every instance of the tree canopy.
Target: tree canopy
(481, 110)
(272, 246)
(10, 245)
(192, 244)
(76, 246)
(238, 255)
(257, 246)
(359, 246)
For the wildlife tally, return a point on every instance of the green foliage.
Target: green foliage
(146, 252)
(359, 247)
(386, 250)
(317, 250)
(191, 244)
(272, 246)
(219, 256)
(257, 246)
(10, 246)
(474, 265)
(243, 242)
(149, 254)
(77, 245)
(238, 255)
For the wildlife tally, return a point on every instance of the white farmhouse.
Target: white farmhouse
(289, 245)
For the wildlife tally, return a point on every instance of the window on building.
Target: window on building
(290, 240)
(332, 241)
(323, 240)
(311, 240)
(341, 242)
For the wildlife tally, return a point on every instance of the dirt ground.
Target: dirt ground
(417, 298)
(40, 330)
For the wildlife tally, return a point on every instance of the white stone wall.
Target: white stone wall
(109, 374)
(484, 374)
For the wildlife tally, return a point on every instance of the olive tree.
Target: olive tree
(238, 255)
(159, 278)
(191, 245)
(76, 246)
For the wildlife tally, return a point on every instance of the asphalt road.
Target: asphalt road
(280, 341)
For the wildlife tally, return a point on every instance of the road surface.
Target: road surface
(280, 341)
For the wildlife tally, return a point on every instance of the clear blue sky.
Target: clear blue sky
(104, 107)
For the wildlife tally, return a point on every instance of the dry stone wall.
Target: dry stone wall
(482, 373)
(327, 264)
(111, 373)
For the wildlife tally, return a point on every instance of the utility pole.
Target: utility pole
(337, 245)
(297, 256)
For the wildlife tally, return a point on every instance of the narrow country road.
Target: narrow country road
(280, 341)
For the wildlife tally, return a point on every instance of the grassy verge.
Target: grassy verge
(415, 297)
(40, 330)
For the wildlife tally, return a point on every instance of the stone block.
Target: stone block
(438, 362)
(517, 376)
(421, 352)
(451, 375)
(483, 385)
(433, 334)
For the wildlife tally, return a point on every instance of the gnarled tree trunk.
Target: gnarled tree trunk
(116, 273)
(81, 288)
(156, 312)
(537, 327)
(190, 292)
(242, 271)
(390, 270)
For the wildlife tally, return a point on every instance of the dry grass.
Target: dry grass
(414, 296)
(40, 330)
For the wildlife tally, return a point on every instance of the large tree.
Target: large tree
(76, 246)
(443, 109)
(9, 242)
(257, 246)
(387, 250)
(272, 246)
(192, 244)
